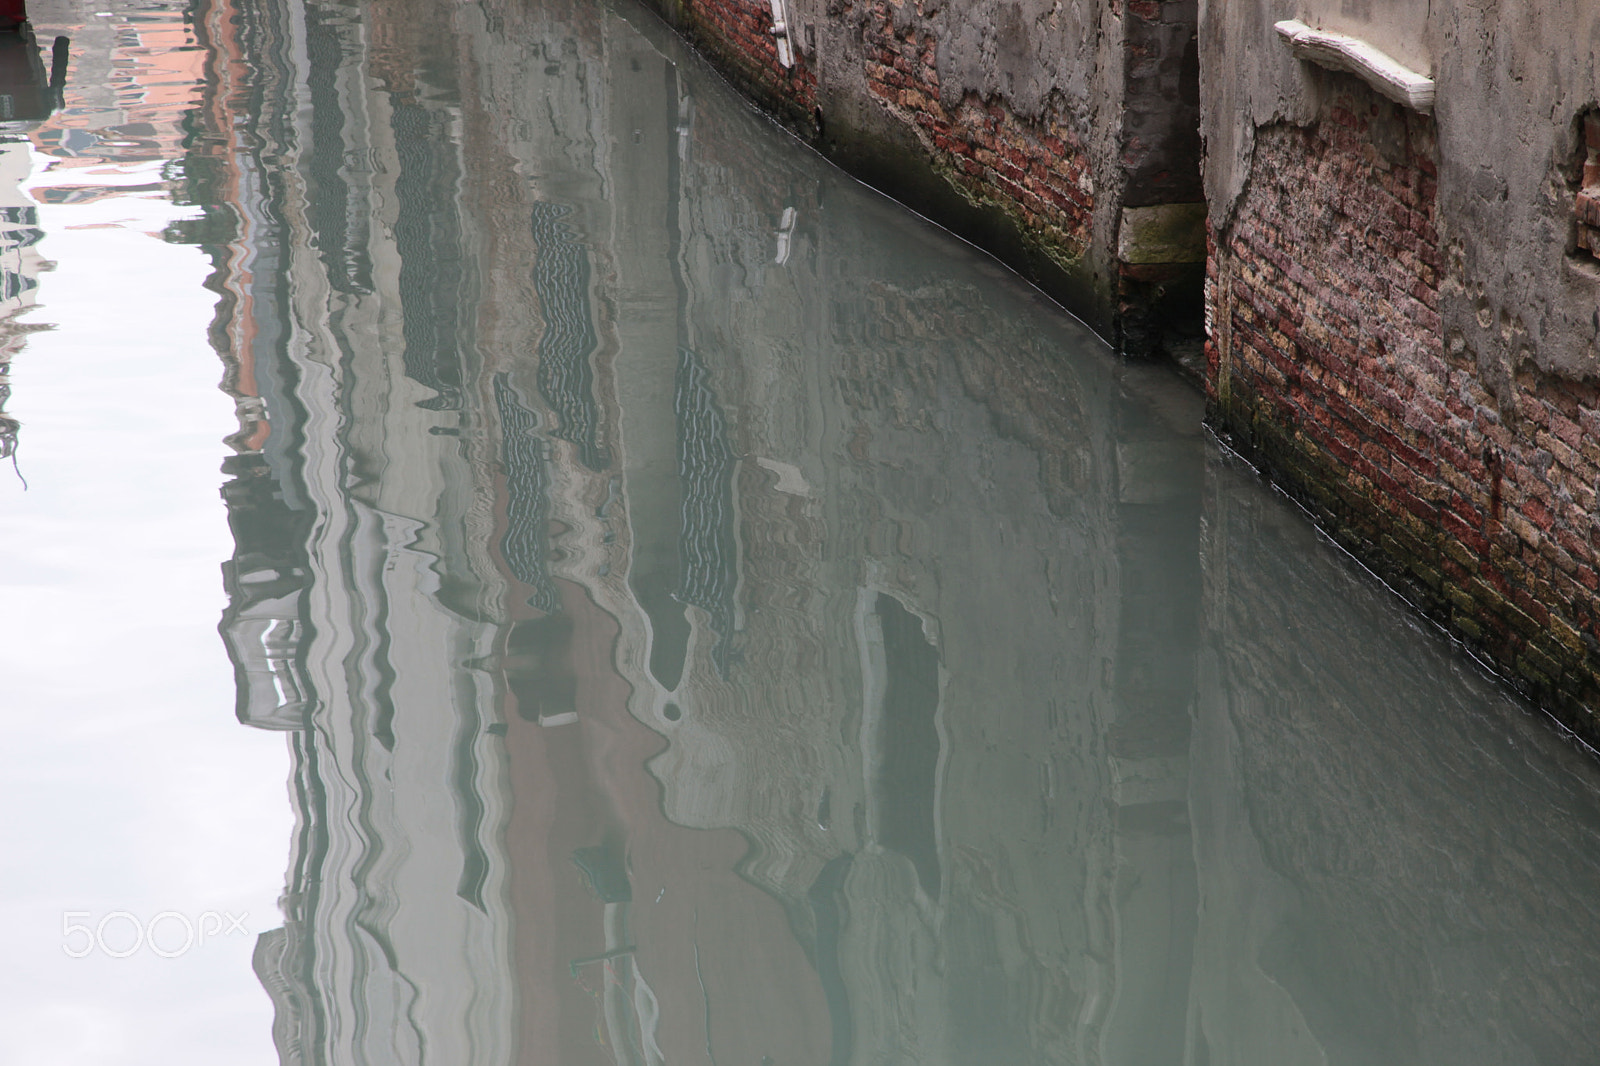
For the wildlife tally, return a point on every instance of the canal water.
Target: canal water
(702, 612)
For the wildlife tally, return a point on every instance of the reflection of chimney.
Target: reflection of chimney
(60, 55)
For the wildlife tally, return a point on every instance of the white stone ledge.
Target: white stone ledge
(1335, 51)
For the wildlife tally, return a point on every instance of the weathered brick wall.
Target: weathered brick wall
(1036, 168)
(1161, 121)
(737, 35)
(1328, 363)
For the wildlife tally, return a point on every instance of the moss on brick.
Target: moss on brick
(1553, 666)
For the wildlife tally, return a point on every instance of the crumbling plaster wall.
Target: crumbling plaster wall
(1043, 61)
(1511, 79)
(1022, 52)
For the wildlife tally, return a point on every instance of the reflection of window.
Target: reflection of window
(280, 641)
(266, 641)
(538, 670)
(566, 378)
(1588, 207)
(903, 745)
(708, 550)
(525, 545)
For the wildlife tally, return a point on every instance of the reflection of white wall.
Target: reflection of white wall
(264, 642)
(402, 960)
(399, 904)
(16, 167)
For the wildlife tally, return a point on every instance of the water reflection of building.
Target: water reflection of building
(265, 626)
(20, 264)
(136, 71)
(349, 516)
(135, 77)
(660, 548)
(941, 681)
(609, 436)
(849, 666)
(28, 94)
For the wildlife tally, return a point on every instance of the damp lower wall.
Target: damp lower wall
(1064, 138)
(1386, 233)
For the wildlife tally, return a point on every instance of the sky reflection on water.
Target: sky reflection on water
(130, 787)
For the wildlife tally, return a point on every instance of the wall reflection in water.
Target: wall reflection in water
(717, 619)
(28, 96)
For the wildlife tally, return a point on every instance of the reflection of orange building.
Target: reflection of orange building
(232, 175)
(264, 626)
(625, 919)
(135, 81)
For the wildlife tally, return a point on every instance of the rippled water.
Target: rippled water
(712, 616)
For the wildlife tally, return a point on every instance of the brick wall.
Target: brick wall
(1160, 146)
(1037, 168)
(737, 34)
(1327, 364)
(1587, 199)
(1023, 127)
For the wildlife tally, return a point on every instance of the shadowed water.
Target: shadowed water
(718, 618)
